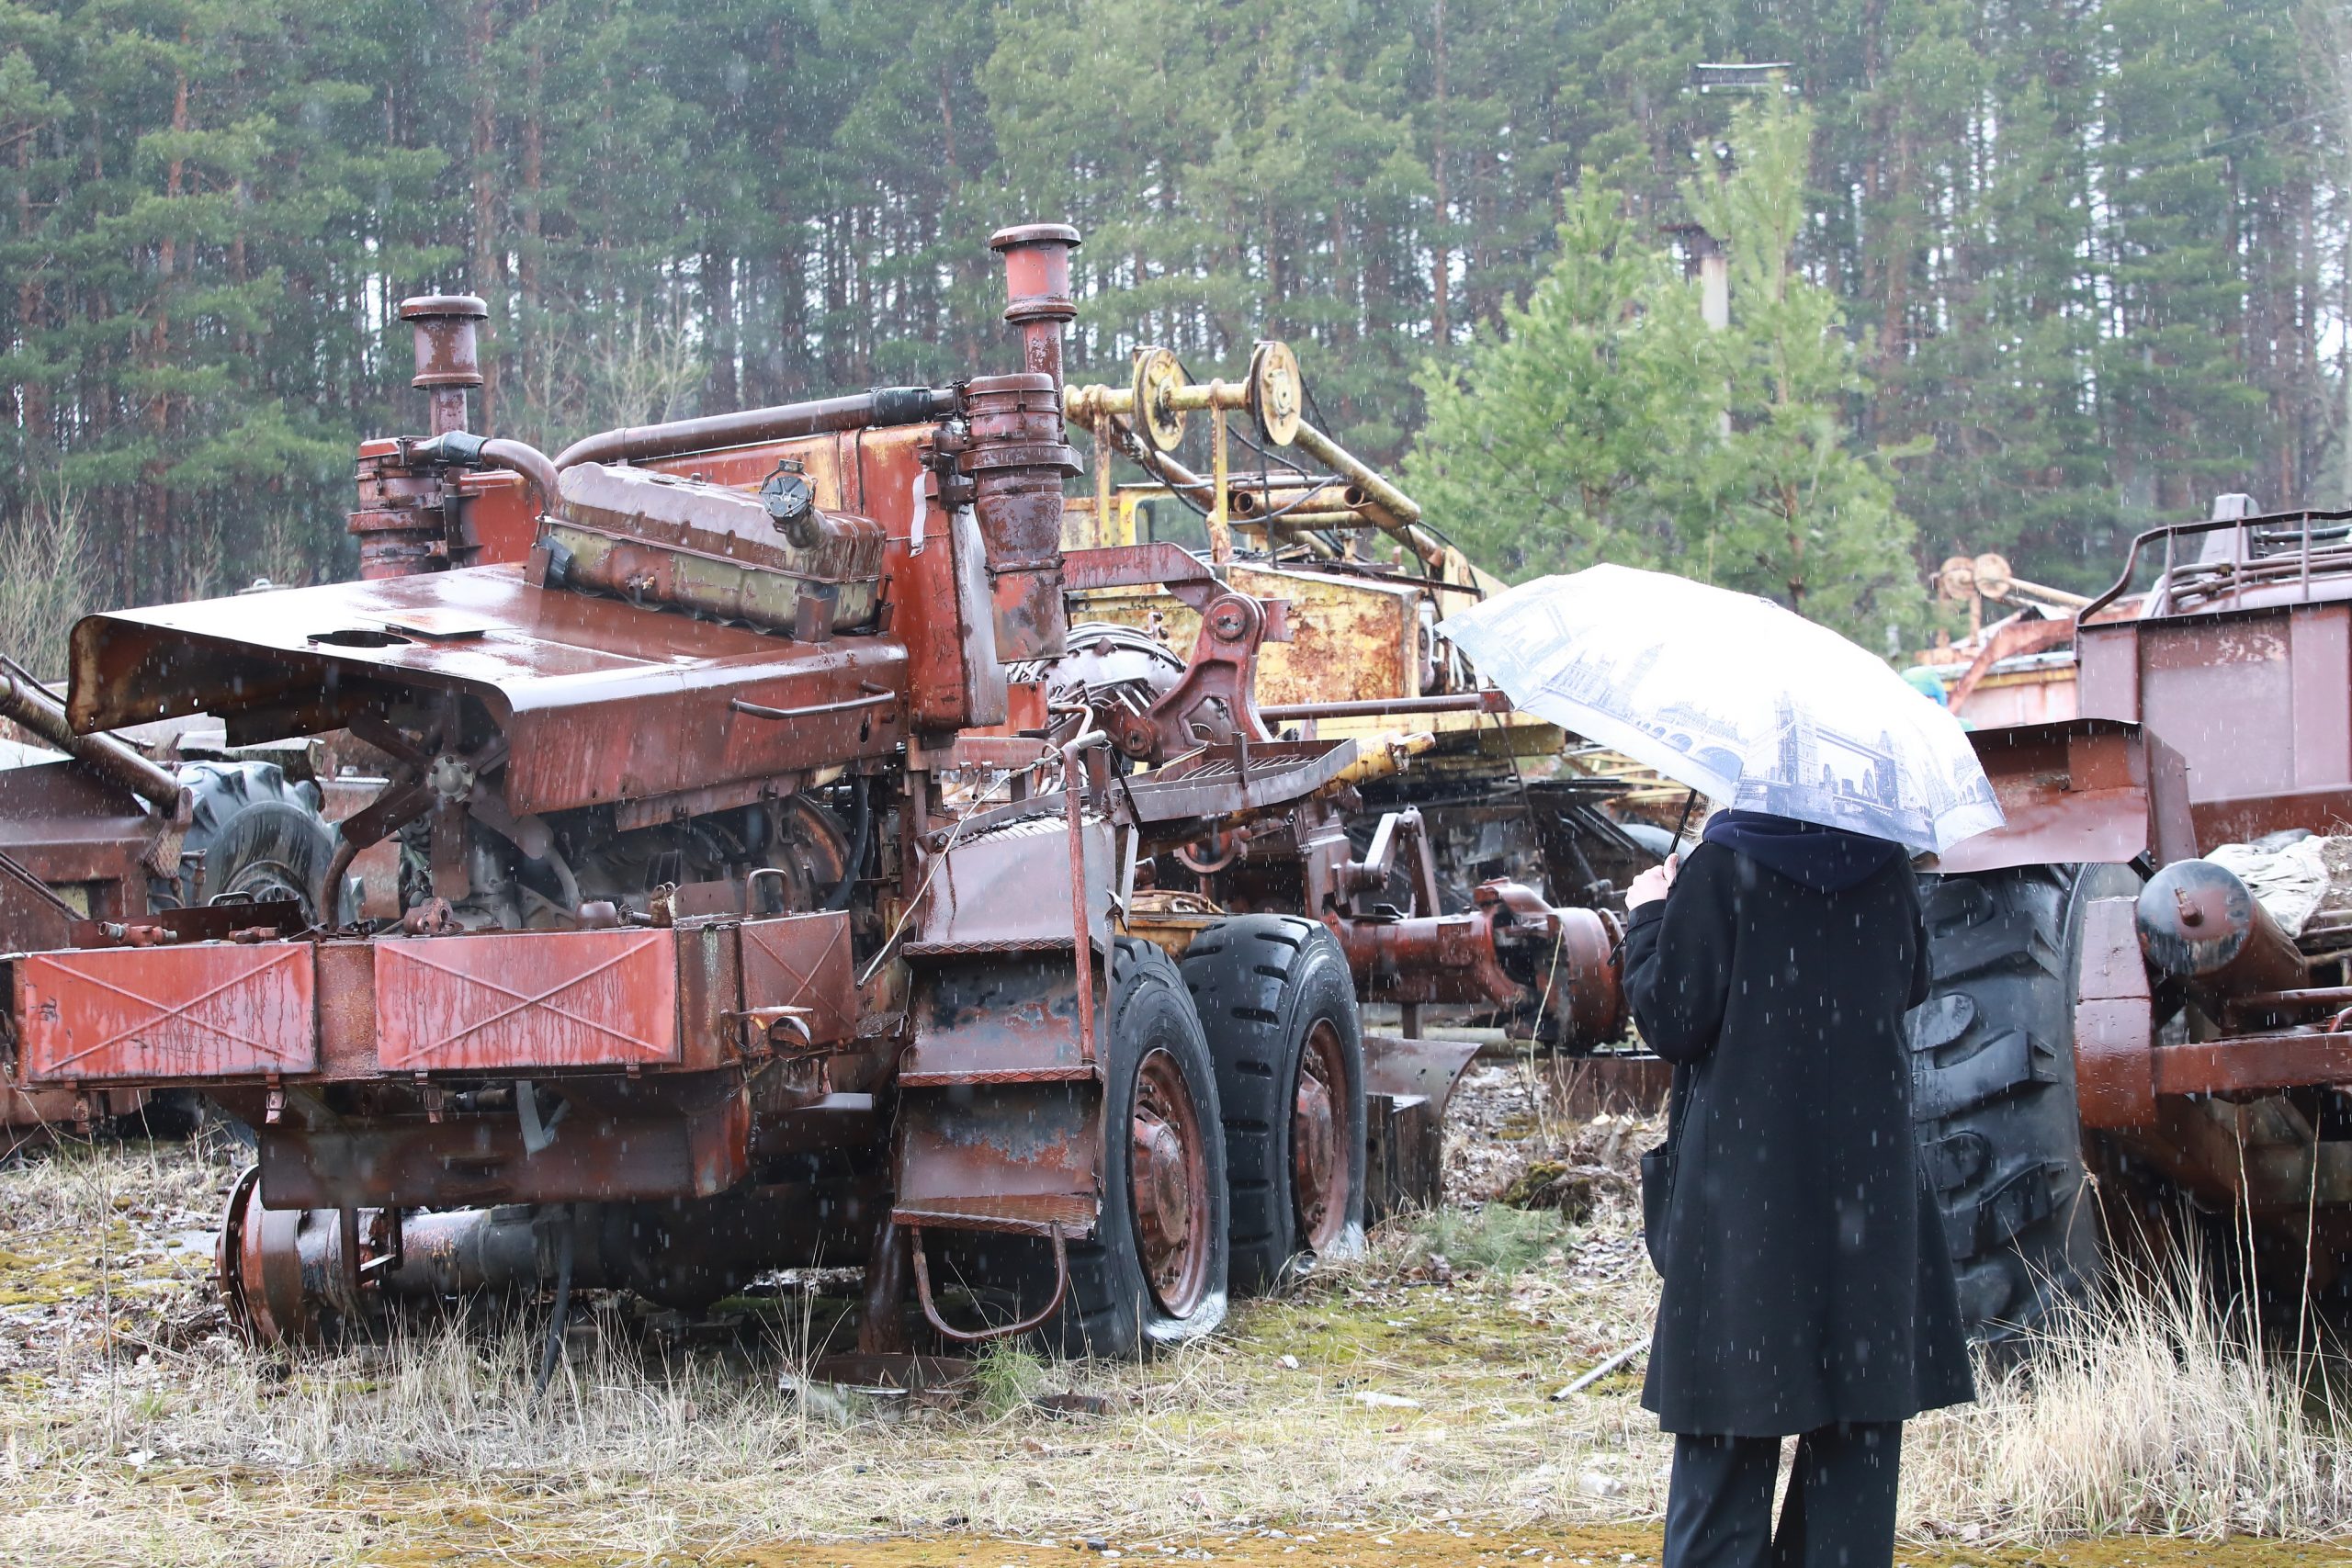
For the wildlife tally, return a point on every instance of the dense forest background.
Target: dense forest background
(2089, 256)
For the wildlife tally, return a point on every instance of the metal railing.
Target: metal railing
(2273, 549)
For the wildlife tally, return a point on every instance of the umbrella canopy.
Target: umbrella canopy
(1742, 700)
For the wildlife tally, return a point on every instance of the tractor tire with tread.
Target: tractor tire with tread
(1993, 1090)
(1266, 986)
(259, 833)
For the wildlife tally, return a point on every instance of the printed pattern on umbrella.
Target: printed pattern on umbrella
(1735, 696)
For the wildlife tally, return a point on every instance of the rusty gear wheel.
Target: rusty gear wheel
(1276, 391)
(1157, 377)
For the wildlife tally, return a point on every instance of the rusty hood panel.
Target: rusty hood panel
(600, 700)
(2089, 790)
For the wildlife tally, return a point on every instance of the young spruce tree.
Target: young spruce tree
(1606, 422)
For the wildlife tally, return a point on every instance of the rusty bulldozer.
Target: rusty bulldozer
(783, 882)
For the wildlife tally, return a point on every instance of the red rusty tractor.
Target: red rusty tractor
(2115, 1018)
(752, 917)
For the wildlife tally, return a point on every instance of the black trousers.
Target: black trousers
(1840, 1507)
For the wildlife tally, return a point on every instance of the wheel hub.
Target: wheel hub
(1159, 1185)
(1167, 1184)
(1318, 1161)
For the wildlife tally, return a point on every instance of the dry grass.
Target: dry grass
(1372, 1396)
(145, 1434)
(2157, 1412)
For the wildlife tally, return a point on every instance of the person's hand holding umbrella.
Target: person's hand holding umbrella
(1652, 884)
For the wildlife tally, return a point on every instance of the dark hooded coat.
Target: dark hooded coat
(1807, 1280)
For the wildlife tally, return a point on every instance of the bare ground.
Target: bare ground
(1396, 1410)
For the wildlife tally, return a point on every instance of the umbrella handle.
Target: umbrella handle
(1688, 802)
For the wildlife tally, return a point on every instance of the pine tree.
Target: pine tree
(1607, 423)
(1568, 437)
(2093, 259)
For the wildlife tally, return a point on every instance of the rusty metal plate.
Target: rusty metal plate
(1223, 778)
(803, 961)
(2114, 1023)
(600, 701)
(1395, 1066)
(1009, 887)
(996, 1018)
(2088, 790)
(1404, 1156)
(154, 1014)
(597, 998)
(1011, 1156)
(672, 1146)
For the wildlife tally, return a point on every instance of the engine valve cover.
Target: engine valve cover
(658, 538)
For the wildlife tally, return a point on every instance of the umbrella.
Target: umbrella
(1735, 696)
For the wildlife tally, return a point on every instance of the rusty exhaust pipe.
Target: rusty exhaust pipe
(862, 410)
(449, 355)
(1017, 459)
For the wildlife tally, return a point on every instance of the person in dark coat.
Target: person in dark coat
(1807, 1288)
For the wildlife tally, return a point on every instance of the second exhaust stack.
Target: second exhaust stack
(1018, 459)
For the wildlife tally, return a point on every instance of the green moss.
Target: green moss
(1497, 1239)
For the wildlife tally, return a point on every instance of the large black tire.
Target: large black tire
(1112, 1308)
(1993, 1090)
(259, 835)
(1268, 987)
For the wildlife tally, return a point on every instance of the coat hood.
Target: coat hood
(1827, 860)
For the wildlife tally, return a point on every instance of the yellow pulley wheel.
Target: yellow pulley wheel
(1277, 392)
(1157, 377)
